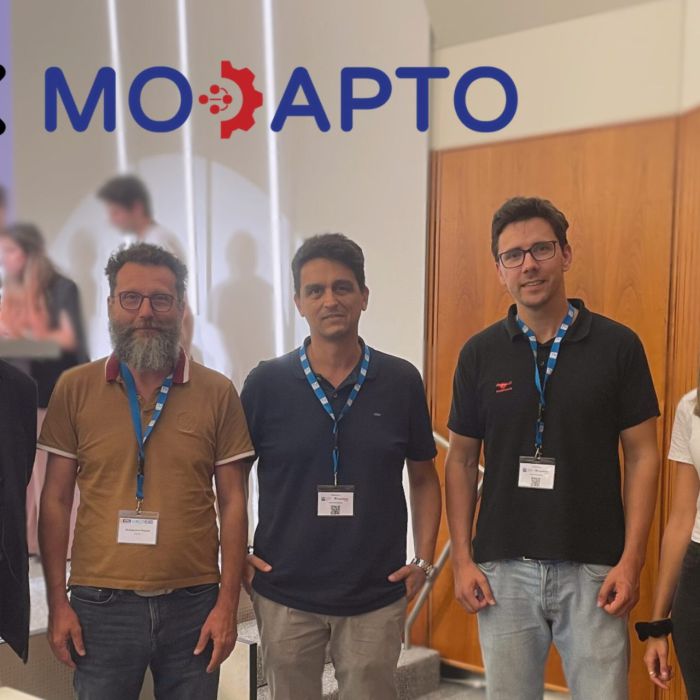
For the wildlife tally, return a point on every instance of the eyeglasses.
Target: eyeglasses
(160, 303)
(515, 257)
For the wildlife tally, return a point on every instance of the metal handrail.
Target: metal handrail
(439, 564)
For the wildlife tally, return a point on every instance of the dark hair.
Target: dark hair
(522, 209)
(39, 267)
(126, 190)
(3, 197)
(27, 237)
(146, 254)
(332, 246)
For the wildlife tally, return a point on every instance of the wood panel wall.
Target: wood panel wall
(617, 187)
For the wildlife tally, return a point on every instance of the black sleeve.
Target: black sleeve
(637, 400)
(30, 402)
(421, 444)
(22, 402)
(66, 297)
(464, 413)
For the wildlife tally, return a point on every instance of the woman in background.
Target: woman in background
(678, 587)
(38, 303)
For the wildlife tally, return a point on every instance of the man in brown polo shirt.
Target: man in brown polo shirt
(143, 432)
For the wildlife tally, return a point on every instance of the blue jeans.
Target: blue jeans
(540, 602)
(125, 633)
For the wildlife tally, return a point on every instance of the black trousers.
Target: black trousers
(686, 620)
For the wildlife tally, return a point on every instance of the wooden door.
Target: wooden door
(616, 186)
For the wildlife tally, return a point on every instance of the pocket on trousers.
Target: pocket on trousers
(597, 572)
(201, 589)
(91, 595)
(488, 567)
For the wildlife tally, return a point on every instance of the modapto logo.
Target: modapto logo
(235, 99)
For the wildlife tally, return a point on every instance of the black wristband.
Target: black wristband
(655, 628)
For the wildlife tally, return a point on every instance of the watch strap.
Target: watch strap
(423, 564)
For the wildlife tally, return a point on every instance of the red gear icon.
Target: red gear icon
(252, 99)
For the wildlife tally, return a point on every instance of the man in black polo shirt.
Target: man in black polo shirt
(332, 424)
(551, 391)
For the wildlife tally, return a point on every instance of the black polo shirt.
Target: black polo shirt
(600, 387)
(334, 565)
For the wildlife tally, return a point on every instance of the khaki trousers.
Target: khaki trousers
(364, 650)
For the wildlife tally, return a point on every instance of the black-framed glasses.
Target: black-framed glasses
(515, 257)
(160, 303)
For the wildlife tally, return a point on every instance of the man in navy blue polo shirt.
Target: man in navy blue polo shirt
(551, 392)
(333, 423)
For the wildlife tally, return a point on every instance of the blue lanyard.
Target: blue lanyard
(321, 396)
(551, 364)
(141, 437)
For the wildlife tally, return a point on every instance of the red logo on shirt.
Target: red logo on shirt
(504, 386)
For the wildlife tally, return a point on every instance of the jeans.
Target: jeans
(125, 633)
(686, 620)
(540, 602)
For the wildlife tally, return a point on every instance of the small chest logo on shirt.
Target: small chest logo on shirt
(504, 386)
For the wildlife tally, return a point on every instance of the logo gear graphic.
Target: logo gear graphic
(251, 99)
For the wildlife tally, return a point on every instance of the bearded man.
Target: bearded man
(144, 433)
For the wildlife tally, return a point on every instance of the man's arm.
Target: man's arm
(54, 526)
(426, 503)
(620, 591)
(221, 625)
(472, 589)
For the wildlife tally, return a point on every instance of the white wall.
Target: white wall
(691, 55)
(370, 183)
(619, 66)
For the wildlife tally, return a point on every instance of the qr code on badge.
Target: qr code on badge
(335, 510)
(535, 481)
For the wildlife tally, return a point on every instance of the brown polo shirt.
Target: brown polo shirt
(201, 427)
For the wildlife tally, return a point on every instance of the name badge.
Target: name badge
(536, 473)
(336, 501)
(137, 528)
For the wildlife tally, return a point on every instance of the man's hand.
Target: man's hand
(413, 576)
(253, 564)
(620, 590)
(472, 589)
(64, 626)
(220, 626)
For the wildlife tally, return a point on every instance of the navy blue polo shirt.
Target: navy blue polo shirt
(334, 565)
(600, 387)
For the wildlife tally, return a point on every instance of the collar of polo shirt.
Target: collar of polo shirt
(580, 328)
(181, 375)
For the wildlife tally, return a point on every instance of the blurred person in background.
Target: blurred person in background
(38, 303)
(129, 208)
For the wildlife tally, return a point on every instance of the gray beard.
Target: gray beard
(155, 353)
